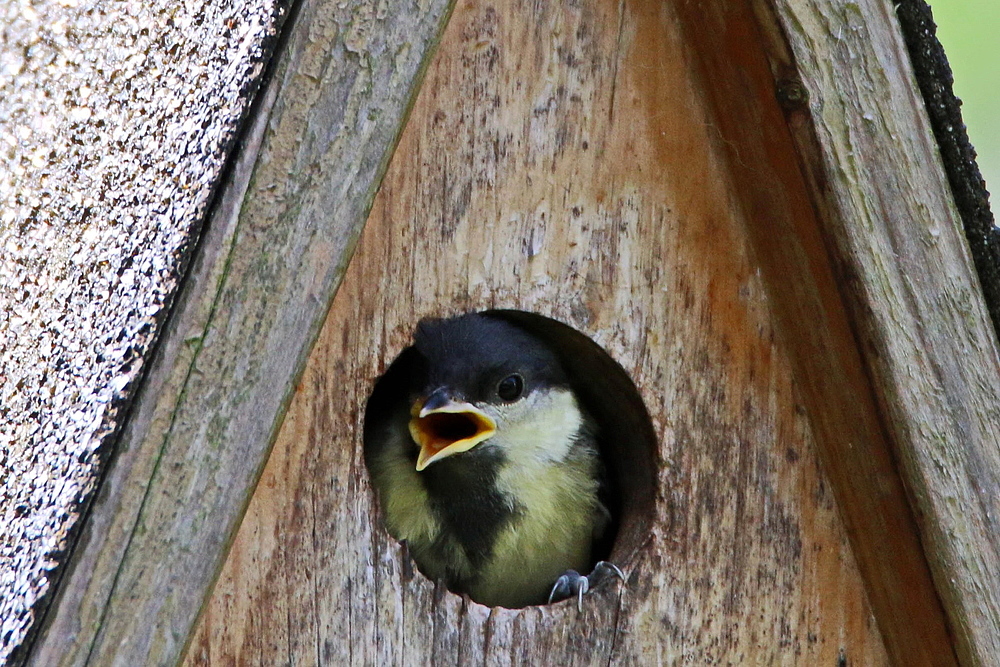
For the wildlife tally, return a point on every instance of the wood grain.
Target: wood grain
(563, 158)
(238, 339)
(904, 267)
(788, 241)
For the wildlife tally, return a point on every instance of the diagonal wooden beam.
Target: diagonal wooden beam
(904, 268)
(273, 253)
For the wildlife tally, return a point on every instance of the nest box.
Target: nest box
(743, 203)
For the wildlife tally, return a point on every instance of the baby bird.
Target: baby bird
(486, 464)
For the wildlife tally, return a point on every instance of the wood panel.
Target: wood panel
(851, 434)
(563, 158)
(904, 268)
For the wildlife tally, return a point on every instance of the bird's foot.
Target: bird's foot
(572, 583)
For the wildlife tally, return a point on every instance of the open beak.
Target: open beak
(443, 426)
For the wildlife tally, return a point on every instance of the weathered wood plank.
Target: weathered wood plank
(274, 253)
(815, 327)
(904, 268)
(563, 158)
(115, 120)
(944, 111)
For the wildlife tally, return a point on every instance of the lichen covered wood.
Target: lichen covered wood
(114, 124)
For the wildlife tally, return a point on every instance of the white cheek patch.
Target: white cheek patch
(541, 428)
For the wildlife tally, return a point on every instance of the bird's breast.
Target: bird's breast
(552, 530)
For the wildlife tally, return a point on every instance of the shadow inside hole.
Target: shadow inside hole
(627, 439)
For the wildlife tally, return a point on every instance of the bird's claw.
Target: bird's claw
(572, 583)
(567, 584)
(602, 571)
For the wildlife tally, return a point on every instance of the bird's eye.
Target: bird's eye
(510, 387)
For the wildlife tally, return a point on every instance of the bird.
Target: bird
(486, 465)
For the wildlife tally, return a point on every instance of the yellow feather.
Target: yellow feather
(559, 506)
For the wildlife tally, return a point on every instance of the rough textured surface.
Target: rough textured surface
(114, 120)
(650, 233)
(833, 379)
(944, 109)
(243, 324)
(896, 239)
(562, 158)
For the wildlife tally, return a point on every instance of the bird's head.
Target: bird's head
(488, 381)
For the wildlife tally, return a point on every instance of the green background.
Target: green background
(970, 33)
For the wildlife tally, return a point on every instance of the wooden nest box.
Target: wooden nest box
(742, 202)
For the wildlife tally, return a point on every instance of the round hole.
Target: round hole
(454, 498)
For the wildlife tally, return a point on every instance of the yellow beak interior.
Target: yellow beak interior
(450, 429)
